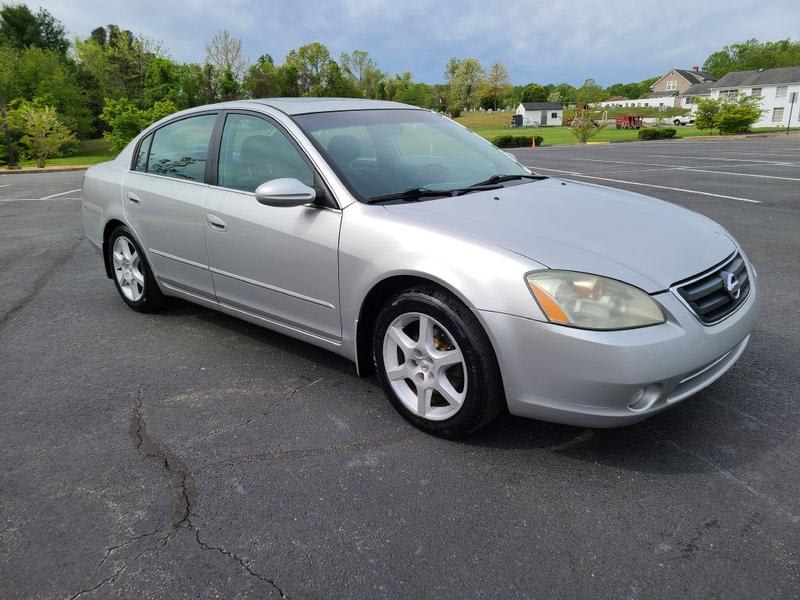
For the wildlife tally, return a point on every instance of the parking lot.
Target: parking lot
(188, 454)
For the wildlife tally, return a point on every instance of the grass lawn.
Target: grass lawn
(90, 152)
(490, 125)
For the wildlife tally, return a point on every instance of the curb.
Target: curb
(4, 171)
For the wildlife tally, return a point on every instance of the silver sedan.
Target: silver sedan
(402, 241)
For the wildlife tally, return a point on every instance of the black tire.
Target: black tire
(152, 299)
(485, 398)
(676, 122)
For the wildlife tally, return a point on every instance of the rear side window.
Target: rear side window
(180, 149)
(140, 164)
(254, 151)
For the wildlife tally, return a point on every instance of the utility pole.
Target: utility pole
(792, 100)
(11, 157)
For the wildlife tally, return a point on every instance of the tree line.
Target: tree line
(115, 82)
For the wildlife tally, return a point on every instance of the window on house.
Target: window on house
(553, 115)
(777, 115)
(672, 85)
(780, 93)
(688, 100)
(726, 93)
(756, 92)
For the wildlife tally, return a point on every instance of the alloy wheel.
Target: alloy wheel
(128, 269)
(424, 366)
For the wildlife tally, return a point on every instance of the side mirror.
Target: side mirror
(285, 192)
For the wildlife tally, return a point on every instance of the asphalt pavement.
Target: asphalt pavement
(188, 454)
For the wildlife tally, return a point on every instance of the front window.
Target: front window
(672, 85)
(254, 151)
(755, 92)
(777, 115)
(780, 92)
(382, 152)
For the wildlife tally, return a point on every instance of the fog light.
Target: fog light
(644, 397)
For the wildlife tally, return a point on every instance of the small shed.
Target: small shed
(544, 114)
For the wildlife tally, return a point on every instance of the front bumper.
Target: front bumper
(588, 378)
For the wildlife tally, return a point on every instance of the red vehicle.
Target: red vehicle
(629, 122)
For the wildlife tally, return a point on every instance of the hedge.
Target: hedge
(517, 141)
(658, 133)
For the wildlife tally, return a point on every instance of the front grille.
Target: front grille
(708, 295)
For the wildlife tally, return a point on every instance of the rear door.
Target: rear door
(164, 196)
(276, 262)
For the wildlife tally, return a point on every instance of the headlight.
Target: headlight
(592, 302)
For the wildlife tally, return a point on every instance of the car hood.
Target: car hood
(582, 227)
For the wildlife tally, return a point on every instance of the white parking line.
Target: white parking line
(690, 168)
(5, 185)
(60, 194)
(747, 160)
(34, 199)
(639, 183)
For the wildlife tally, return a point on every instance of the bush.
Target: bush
(735, 114)
(45, 134)
(517, 141)
(657, 133)
(454, 112)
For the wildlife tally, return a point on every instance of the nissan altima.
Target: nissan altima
(399, 239)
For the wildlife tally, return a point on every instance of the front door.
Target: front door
(544, 117)
(163, 197)
(278, 263)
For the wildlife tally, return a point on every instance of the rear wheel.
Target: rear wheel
(131, 273)
(676, 122)
(436, 363)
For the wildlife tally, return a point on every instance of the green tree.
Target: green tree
(738, 113)
(125, 119)
(752, 55)
(533, 92)
(496, 86)
(707, 113)
(34, 73)
(464, 87)
(45, 134)
(312, 65)
(20, 28)
(590, 92)
(362, 70)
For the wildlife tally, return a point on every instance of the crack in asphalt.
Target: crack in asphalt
(181, 510)
(40, 283)
(149, 448)
(238, 559)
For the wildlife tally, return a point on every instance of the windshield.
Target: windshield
(382, 152)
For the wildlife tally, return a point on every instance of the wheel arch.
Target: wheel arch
(374, 300)
(110, 226)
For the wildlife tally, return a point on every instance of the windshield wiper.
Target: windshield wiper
(503, 178)
(410, 194)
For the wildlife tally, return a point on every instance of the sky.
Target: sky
(544, 42)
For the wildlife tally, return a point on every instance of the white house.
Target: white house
(775, 88)
(668, 91)
(544, 114)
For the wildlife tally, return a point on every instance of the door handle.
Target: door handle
(215, 223)
(133, 198)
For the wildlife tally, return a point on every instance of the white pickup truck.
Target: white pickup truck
(683, 119)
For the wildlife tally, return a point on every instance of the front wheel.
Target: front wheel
(676, 122)
(436, 363)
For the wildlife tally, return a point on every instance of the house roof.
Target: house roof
(542, 105)
(761, 77)
(699, 89)
(695, 76)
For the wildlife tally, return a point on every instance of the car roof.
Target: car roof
(300, 106)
